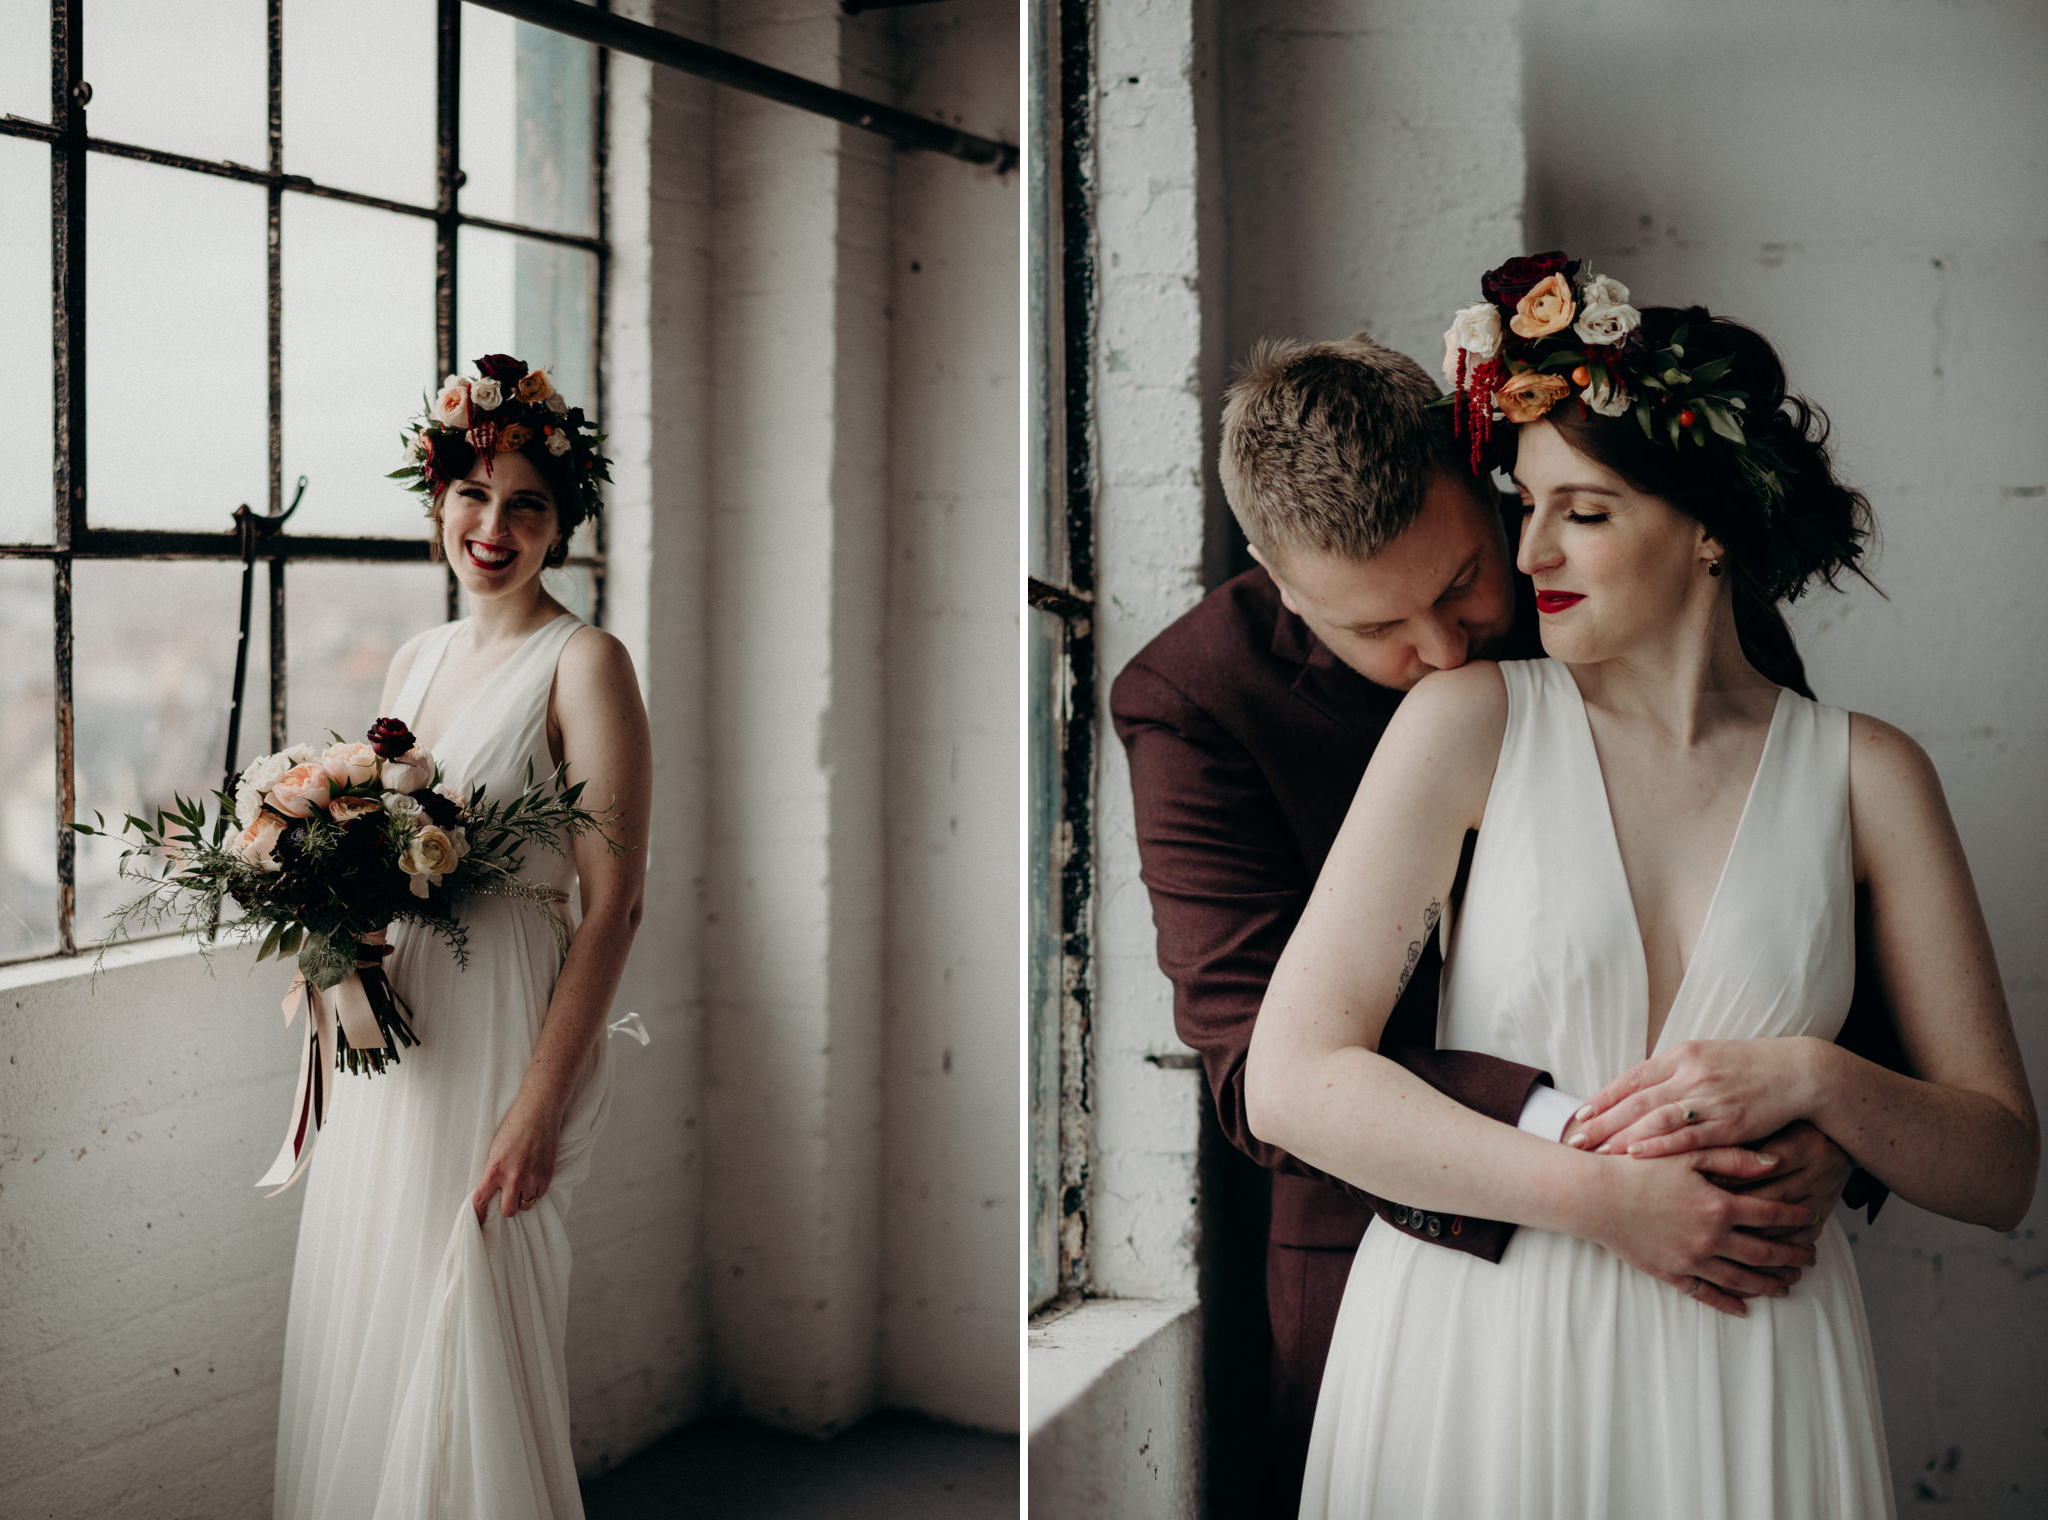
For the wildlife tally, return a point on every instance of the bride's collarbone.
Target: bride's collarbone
(465, 670)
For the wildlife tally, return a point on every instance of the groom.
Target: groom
(1248, 724)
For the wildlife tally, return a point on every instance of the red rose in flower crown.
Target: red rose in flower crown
(1507, 285)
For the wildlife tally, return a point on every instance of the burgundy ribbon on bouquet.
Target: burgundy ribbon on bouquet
(348, 1005)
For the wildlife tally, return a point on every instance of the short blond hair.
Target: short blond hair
(1330, 445)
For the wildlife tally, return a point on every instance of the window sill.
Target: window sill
(1116, 1409)
(86, 963)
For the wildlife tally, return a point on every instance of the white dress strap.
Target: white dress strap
(425, 661)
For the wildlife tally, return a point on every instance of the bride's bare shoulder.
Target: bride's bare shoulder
(1469, 704)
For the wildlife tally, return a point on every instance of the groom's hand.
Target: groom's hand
(1812, 1171)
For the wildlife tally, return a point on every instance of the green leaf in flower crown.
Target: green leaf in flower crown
(1679, 336)
(1671, 429)
(1564, 359)
(1721, 420)
(1643, 417)
(1712, 370)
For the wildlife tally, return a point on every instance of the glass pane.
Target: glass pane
(1044, 854)
(25, 58)
(152, 672)
(336, 658)
(535, 300)
(28, 762)
(25, 486)
(177, 383)
(359, 96)
(187, 76)
(526, 122)
(358, 359)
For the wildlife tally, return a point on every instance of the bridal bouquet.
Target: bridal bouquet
(323, 850)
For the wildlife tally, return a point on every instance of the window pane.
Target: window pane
(28, 763)
(177, 383)
(359, 96)
(536, 300)
(342, 625)
(25, 58)
(526, 123)
(153, 666)
(1045, 803)
(358, 356)
(25, 486)
(188, 76)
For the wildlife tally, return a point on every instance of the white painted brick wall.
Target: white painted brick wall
(950, 1284)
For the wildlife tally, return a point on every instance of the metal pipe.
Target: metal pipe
(721, 67)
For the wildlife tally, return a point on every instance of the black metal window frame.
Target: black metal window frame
(73, 536)
(1064, 325)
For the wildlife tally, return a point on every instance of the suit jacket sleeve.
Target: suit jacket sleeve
(1228, 887)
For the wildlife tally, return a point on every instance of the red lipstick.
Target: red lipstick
(1557, 601)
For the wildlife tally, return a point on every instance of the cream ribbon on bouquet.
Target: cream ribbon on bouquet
(345, 1004)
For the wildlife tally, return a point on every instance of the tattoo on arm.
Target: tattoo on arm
(1429, 922)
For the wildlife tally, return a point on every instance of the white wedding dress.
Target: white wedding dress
(424, 1374)
(1560, 1384)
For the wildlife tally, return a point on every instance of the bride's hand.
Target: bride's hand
(1670, 1220)
(1697, 1095)
(522, 1157)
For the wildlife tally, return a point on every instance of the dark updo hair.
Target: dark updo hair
(455, 457)
(1816, 529)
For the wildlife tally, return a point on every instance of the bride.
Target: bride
(424, 1372)
(1660, 911)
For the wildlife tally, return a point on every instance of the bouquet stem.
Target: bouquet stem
(391, 1011)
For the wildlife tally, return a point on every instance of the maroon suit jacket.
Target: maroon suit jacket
(1247, 738)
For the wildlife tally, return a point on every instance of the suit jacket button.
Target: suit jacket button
(1400, 1213)
(1435, 1226)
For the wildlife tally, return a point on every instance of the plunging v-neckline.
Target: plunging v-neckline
(1735, 843)
(434, 671)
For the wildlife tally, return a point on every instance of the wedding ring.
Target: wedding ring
(1694, 1290)
(526, 1203)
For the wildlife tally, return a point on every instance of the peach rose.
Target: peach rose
(1545, 310)
(513, 437)
(451, 407)
(429, 856)
(1529, 395)
(349, 809)
(350, 764)
(301, 789)
(257, 844)
(533, 386)
(409, 772)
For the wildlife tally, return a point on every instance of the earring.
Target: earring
(1713, 567)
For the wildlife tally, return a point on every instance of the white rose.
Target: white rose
(402, 807)
(486, 393)
(1608, 323)
(556, 404)
(262, 772)
(1607, 400)
(1601, 290)
(416, 449)
(1476, 330)
(558, 443)
(298, 754)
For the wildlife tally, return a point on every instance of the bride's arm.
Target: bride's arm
(604, 743)
(1316, 1086)
(1961, 1137)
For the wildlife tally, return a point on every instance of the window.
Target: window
(1061, 676)
(242, 238)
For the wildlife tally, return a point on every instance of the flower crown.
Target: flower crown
(507, 409)
(1550, 325)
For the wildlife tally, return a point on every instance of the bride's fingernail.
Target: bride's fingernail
(1636, 1149)
(1577, 1142)
(1604, 1150)
(1766, 1160)
(1583, 1114)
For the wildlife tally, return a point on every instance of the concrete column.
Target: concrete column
(794, 883)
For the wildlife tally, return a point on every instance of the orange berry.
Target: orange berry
(1582, 376)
